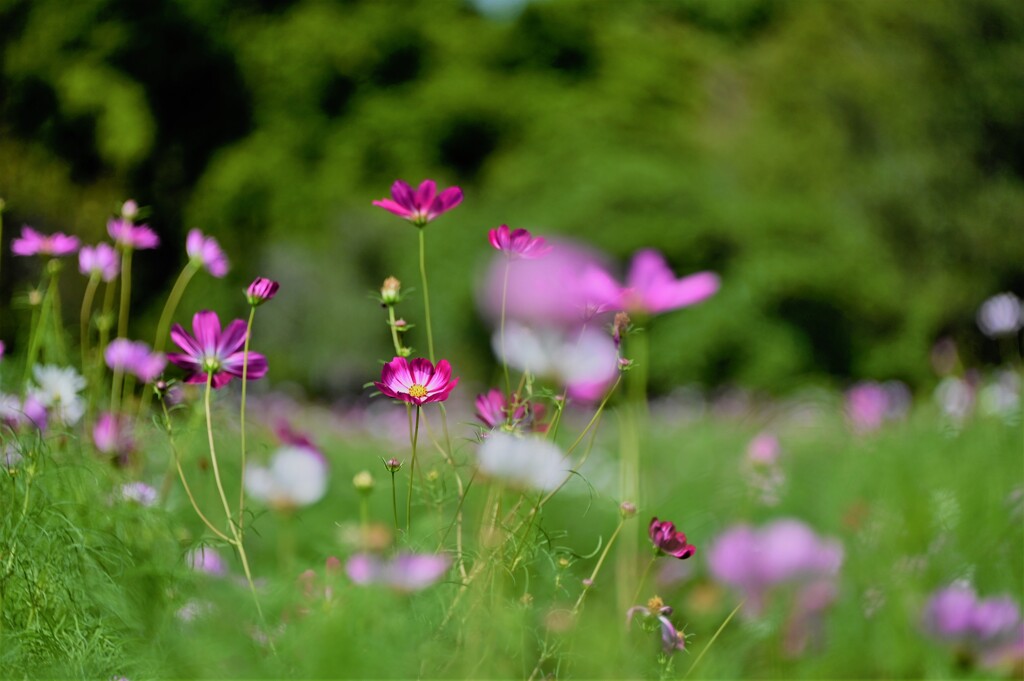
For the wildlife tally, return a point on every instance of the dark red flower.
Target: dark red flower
(668, 540)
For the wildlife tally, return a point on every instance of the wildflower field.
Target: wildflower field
(162, 521)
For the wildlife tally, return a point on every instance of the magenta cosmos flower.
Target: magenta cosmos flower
(518, 243)
(261, 290)
(213, 352)
(652, 288)
(99, 261)
(128, 235)
(205, 251)
(416, 381)
(668, 540)
(422, 205)
(32, 242)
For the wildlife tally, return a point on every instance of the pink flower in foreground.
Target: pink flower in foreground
(261, 290)
(652, 288)
(128, 235)
(518, 243)
(205, 251)
(405, 572)
(421, 206)
(213, 352)
(99, 261)
(416, 381)
(668, 540)
(32, 242)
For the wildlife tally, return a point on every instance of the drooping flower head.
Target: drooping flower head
(261, 290)
(416, 381)
(99, 261)
(32, 242)
(668, 540)
(131, 236)
(211, 352)
(518, 243)
(406, 572)
(422, 205)
(651, 287)
(205, 251)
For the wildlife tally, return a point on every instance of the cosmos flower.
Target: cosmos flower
(493, 409)
(1001, 315)
(32, 242)
(206, 252)
(422, 205)
(297, 476)
(668, 540)
(671, 638)
(518, 243)
(651, 287)
(416, 381)
(16, 413)
(530, 461)
(128, 235)
(134, 357)
(112, 435)
(213, 352)
(261, 290)
(139, 493)
(57, 388)
(206, 559)
(99, 261)
(584, 361)
(405, 572)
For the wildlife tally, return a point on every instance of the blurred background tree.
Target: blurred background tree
(854, 170)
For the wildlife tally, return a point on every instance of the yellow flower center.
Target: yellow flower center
(417, 390)
(655, 604)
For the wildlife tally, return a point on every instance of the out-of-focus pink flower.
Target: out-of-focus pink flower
(668, 540)
(261, 290)
(866, 406)
(135, 358)
(207, 559)
(518, 243)
(205, 251)
(112, 435)
(416, 381)
(128, 235)
(493, 408)
(671, 638)
(764, 450)
(422, 205)
(956, 614)
(139, 492)
(129, 209)
(405, 572)
(16, 413)
(213, 352)
(99, 261)
(584, 361)
(651, 287)
(32, 242)
(785, 551)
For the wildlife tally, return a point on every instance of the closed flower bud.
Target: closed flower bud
(363, 482)
(627, 509)
(391, 291)
(393, 465)
(261, 290)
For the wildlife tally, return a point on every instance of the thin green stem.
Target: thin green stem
(126, 292)
(58, 322)
(213, 450)
(643, 578)
(83, 318)
(504, 357)
(414, 435)
(713, 639)
(245, 382)
(597, 568)
(426, 293)
(394, 330)
(105, 316)
(164, 325)
(394, 499)
(39, 322)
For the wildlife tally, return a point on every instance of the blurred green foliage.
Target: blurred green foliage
(855, 170)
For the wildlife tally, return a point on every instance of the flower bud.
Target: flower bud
(401, 326)
(363, 482)
(129, 209)
(393, 465)
(391, 291)
(620, 327)
(261, 290)
(627, 509)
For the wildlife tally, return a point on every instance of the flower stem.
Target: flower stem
(394, 499)
(414, 435)
(713, 639)
(426, 293)
(40, 322)
(643, 578)
(394, 330)
(164, 325)
(126, 292)
(90, 293)
(504, 357)
(245, 382)
(597, 568)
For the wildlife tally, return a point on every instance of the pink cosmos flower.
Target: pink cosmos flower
(518, 243)
(651, 287)
(135, 358)
(32, 242)
(112, 435)
(128, 235)
(492, 408)
(764, 450)
(405, 572)
(205, 251)
(99, 261)
(213, 352)
(866, 406)
(421, 206)
(207, 559)
(668, 540)
(261, 290)
(417, 381)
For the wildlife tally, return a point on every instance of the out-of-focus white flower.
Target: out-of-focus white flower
(139, 492)
(57, 388)
(297, 476)
(955, 397)
(574, 358)
(1000, 315)
(1001, 397)
(530, 461)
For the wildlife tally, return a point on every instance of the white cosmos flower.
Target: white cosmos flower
(297, 476)
(584, 357)
(530, 461)
(57, 389)
(1001, 315)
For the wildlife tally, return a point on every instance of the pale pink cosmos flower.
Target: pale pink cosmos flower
(867, 404)
(297, 476)
(416, 381)
(764, 450)
(32, 242)
(651, 287)
(139, 492)
(213, 352)
(493, 408)
(112, 435)
(206, 252)
(135, 358)
(406, 572)
(422, 205)
(206, 559)
(518, 243)
(128, 235)
(529, 462)
(99, 261)
(585, 362)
